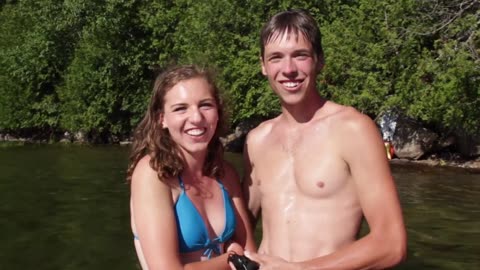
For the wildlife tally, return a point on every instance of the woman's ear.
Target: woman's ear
(162, 121)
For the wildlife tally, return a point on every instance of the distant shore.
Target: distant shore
(469, 165)
(472, 165)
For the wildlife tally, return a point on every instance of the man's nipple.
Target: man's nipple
(320, 184)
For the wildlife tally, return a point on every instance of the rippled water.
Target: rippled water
(66, 207)
(442, 213)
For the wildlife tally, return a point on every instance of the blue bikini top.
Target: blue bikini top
(192, 231)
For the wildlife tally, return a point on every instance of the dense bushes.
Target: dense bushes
(88, 65)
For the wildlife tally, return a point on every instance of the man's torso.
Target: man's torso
(308, 199)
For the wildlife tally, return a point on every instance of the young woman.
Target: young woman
(187, 210)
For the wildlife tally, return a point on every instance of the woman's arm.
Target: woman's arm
(154, 219)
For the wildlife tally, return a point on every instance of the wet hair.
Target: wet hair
(150, 138)
(292, 22)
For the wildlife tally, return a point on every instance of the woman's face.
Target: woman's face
(191, 115)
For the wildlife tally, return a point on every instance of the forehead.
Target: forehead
(191, 89)
(288, 39)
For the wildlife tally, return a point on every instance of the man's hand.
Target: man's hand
(270, 262)
(234, 247)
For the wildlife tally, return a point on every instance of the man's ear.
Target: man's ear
(264, 72)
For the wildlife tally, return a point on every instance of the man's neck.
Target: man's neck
(304, 111)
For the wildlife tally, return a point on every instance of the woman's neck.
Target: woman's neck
(194, 164)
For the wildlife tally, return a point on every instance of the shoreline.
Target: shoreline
(472, 165)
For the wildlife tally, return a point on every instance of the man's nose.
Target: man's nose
(290, 67)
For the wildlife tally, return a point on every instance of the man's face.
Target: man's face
(291, 67)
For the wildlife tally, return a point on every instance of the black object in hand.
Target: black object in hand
(242, 262)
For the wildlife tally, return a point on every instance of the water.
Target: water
(66, 207)
(442, 214)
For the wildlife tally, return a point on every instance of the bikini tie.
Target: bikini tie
(211, 248)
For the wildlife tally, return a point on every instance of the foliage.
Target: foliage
(103, 83)
(89, 65)
(420, 56)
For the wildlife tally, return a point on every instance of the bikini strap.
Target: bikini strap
(180, 181)
(220, 183)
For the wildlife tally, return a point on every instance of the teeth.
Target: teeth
(290, 84)
(196, 131)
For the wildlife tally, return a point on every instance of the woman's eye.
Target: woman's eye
(207, 105)
(178, 109)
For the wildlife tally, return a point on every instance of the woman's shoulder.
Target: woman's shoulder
(143, 167)
(144, 174)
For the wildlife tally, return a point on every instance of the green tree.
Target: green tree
(38, 38)
(104, 85)
(89, 66)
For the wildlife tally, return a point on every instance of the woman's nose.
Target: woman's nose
(196, 116)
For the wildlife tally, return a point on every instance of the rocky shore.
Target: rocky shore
(469, 165)
(411, 142)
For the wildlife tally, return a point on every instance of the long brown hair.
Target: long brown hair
(151, 139)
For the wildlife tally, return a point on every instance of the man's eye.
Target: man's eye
(302, 56)
(274, 58)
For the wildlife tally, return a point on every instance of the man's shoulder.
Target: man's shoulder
(348, 122)
(348, 117)
(261, 131)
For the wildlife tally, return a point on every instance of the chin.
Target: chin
(293, 100)
(196, 149)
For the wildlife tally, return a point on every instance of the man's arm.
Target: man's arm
(249, 185)
(385, 245)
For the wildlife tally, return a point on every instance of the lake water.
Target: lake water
(66, 207)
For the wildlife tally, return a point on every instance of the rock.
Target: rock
(468, 145)
(445, 142)
(11, 138)
(409, 138)
(66, 137)
(114, 139)
(80, 137)
(387, 121)
(234, 142)
(412, 141)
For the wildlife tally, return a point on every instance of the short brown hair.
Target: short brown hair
(292, 21)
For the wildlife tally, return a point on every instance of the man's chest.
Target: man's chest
(313, 169)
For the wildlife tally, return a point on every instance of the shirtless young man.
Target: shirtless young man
(318, 168)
